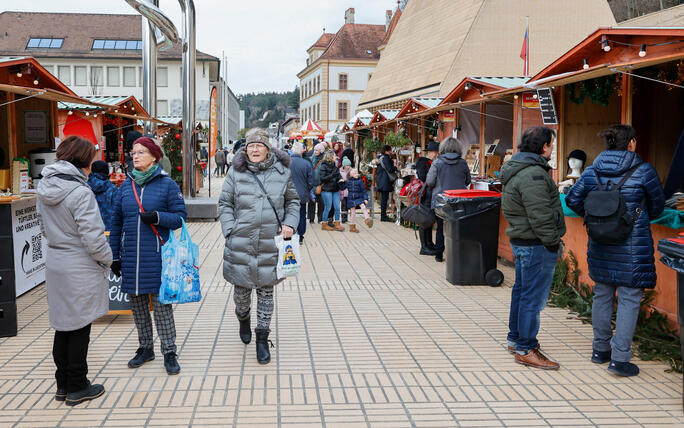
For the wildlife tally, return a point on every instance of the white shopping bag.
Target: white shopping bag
(288, 256)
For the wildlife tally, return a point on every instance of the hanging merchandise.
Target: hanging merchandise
(180, 271)
(288, 256)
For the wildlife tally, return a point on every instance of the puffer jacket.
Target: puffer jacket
(357, 192)
(247, 219)
(630, 264)
(330, 176)
(384, 183)
(530, 201)
(105, 194)
(316, 168)
(78, 257)
(134, 242)
(448, 172)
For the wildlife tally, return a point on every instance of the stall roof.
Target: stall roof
(32, 69)
(418, 105)
(112, 101)
(361, 122)
(381, 116)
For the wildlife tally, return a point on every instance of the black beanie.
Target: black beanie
(100, 167)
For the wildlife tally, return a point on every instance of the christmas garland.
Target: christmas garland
(598, 90)
(172, 146)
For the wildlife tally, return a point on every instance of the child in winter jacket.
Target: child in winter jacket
(105, 191)
(357, 196)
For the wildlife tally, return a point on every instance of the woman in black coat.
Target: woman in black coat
(385, 185)
(330, 191)
(423, 164)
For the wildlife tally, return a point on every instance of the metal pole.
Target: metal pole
(149, 75)
(188, 8)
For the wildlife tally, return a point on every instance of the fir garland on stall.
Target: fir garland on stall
(172, 146)
(598, 90)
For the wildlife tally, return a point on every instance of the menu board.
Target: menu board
(548, 108)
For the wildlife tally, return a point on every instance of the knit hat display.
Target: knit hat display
(150, 145)
(100, 167)
(258, 135)
(346, 161)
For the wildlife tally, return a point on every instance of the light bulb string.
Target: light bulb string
(638, 45)
(651, 79)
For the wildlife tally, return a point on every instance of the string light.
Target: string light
(642, 51)
(19, 73)
(87, 113)
(586, 64)
(467, 86)
(35, 81)
(605, 44)
(70, 113)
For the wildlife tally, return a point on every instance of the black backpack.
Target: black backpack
(605, 212)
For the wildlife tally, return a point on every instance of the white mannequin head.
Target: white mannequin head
(575, 167)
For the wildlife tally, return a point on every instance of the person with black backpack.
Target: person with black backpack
(618, 196)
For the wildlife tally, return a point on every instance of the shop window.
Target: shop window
(81, 75)
(44, 43)
(342, 111)
(129, 76)
(162, 77)
(342, 80)
(113, 76)
(64, 74)
(162, 108)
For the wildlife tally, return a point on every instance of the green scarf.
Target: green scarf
(141, 177)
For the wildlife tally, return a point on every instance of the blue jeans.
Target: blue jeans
(301, 228)
(331, 199)
(534, 267)
(629, 300)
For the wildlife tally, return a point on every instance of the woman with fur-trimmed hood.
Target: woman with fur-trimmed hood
(249, 223)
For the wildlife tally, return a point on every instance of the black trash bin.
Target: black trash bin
(471, 236)
(672, 251)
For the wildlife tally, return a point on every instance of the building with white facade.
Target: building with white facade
(337, 71)
(100, 55)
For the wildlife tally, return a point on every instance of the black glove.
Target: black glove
(149, 218)
(116, 268)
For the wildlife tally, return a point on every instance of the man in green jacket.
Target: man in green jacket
(532, 207)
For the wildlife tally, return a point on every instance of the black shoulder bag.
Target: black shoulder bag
(418, 213)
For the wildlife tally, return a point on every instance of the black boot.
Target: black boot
(262, 342)
(424, 249)
(90, 392)
(245, 328)
(428, 239)
(171, 363)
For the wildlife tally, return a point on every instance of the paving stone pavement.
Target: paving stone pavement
(369, 334)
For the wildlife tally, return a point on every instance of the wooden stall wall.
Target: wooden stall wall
(27, 105)
(4, 132)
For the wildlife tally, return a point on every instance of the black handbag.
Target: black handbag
(419, 214)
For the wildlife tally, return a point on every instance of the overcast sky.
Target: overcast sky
(265, 41)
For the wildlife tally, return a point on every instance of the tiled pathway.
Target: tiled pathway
(369, 334)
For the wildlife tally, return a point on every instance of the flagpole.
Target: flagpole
(527, 61)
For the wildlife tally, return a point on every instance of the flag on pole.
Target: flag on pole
(525, 51)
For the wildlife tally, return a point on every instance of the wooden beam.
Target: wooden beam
(482, 137)
(626, 112)
(12, 125)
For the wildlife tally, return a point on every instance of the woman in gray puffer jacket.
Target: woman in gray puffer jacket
(249, 224)
(77, 264)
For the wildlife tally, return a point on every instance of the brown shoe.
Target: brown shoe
(369, 222)
(338, 227)
(326, 226)
(536, 359)
(511, 349)
(352, 228)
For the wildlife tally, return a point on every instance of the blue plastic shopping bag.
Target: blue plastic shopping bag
(180, 270)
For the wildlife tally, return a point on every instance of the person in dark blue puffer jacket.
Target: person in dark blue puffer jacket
(105, 191)
(627, 268)
(137, 249)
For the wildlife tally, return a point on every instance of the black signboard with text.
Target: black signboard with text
(548, 108)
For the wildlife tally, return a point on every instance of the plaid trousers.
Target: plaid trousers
(163, 319)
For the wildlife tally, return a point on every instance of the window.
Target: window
(50, 69)
(113, 76)
(318, 83)
(342, 113)
(162, 107)
(80, 75)
(162, 77)
(139, 76)
(64, 74)
(44, 43)
(96, 76)
(129, 76)
(118, 45)
(342, 81)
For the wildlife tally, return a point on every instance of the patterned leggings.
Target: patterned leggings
(163, 319)
(243, 301)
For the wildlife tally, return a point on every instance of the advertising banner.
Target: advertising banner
(29, 245)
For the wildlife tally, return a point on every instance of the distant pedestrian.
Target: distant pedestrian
(220, 159)
(258, 201)
(330, 180)
(229, 159)
(626, 267)
(302, 176)
(136, 239)
(357, 196)
(532, 207)
(77, 263)
(315, 208)
(105, 191)
(385, 184)
(423, 164)
(337, 149)
(449, 171)
(348, 153)
(344, 172)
